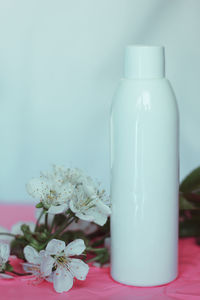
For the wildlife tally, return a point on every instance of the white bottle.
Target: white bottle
(144, 172)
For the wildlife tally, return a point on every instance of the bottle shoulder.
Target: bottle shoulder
(147, 84)
(157, 92)
(155, 88)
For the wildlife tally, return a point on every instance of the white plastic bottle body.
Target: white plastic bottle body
(144, 183)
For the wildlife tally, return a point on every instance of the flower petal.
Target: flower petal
(49, 278)
(31, 255)
(89, 189)
(78, 268)
(57, 209)
(98, 217)
(47, 263)
(75, 248)
(5, 238)
(6, 276)
(4, 252)
(31, 268)
(85, 217)
(72, 206)
(55, 246)
(38, 188)
(103, 208)
(65, 191)
(62, 280)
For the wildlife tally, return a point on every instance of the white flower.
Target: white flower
(52, 189)
(89, 203)
(58, 256)
(63, 188)
(33, 264)
(75, 176)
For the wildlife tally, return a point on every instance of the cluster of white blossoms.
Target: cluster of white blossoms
(64, 189)
(55, 263)
(61, 191)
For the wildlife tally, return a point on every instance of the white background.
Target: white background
(60, 62)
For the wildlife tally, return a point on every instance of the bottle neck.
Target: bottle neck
(144, 62)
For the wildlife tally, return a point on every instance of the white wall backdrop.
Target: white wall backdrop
(60, 61)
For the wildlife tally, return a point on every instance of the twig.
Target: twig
(7, 233)
(20, 274)
(46, 221)
(38, 220)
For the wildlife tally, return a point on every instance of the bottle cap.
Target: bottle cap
(144, 62)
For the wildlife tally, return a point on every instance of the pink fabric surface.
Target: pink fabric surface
(99, 284)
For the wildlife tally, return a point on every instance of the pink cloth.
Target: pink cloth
(99, 284)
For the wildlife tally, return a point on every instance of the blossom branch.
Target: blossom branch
(46, 220)
(9, 234)
(38, 220)
(20, 274)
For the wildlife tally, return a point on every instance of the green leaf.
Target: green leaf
(8, 267)
(39, 205)
(191, 182)
(17, 247)
(192, 198)
(25, 228)
(101, 256)
(185, 204)
(105, 258)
